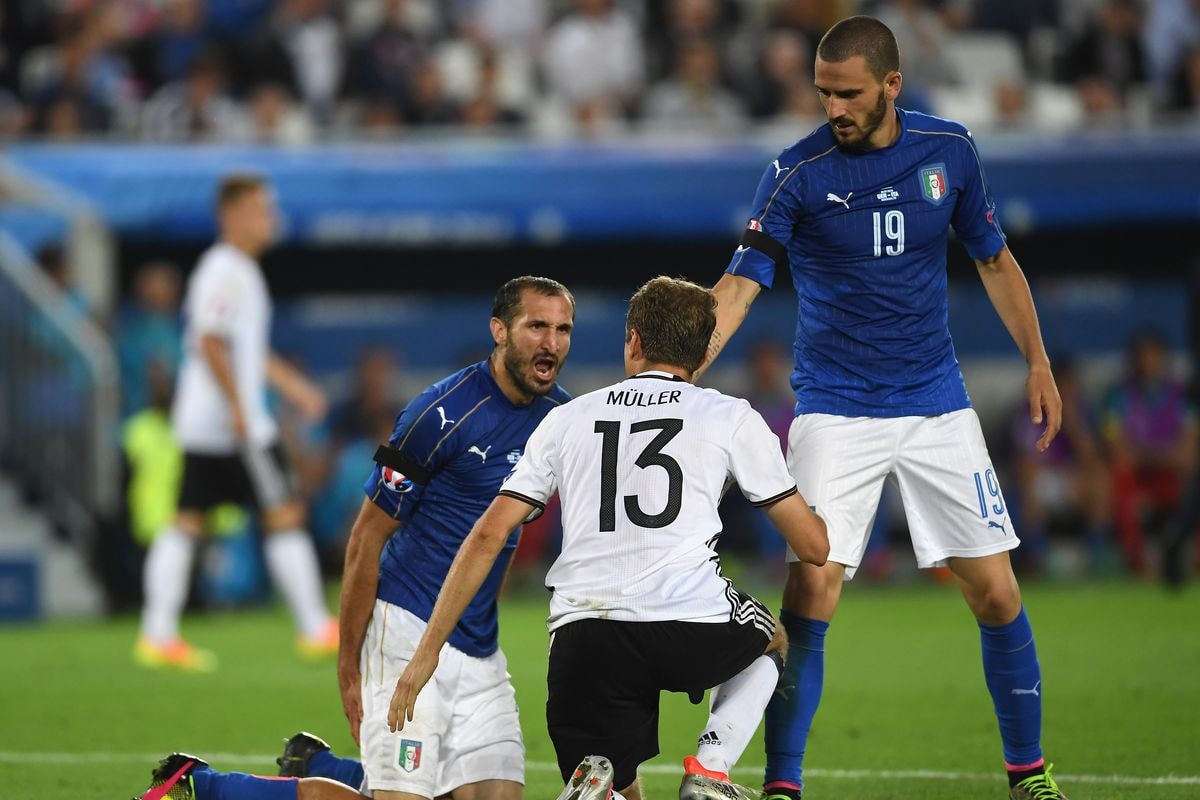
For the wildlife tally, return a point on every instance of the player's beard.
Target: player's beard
(869, 125)
(520, 367)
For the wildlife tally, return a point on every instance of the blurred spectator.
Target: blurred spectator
(1012, 105)
(429, 104)
(167, 53)
(273, 118)
(920, 34)
(1172, 30)
(674, 24)
(1183, 528)
(149, 335)
(693, 98)
(1185, 90)
(1019, 18)
(504, 24)
(313, 40)
(374, 397)
(1149, 426)
(783, 81)
(485, 108)
(1105, 58)
(53, 261)
(1067, 483)
(593, 61)
(194, 108)
(809, 18)
(384, 64)
(78, 78)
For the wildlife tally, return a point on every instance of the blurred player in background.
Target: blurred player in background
(1184, 526)
(230, 441)
(449, 452)
(859, 212)
(638, 605)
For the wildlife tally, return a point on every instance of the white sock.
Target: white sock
(166, 577)
(735, 711)
(292, 563)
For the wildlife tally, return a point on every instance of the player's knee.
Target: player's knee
(813, 591)
(633, 791)
(777, 647)
(283, 517)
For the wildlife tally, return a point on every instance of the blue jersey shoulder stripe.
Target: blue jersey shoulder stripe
(455, 427)
(433, 403)
(795, 170)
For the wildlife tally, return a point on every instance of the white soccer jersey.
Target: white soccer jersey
(640, 467)
(226, 295)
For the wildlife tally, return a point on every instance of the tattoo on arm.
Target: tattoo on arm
(714, 345)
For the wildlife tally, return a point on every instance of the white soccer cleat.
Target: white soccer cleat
(592, 780)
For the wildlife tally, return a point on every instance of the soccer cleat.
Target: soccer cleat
(592, 780)
(176, 654)
(320, 647)
(297, 752)
(700, 783)
(1037, 787)
(172, 778)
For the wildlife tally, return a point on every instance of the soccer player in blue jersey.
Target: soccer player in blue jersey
(858, 212)
(451, 449)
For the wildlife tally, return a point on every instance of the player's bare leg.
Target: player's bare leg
(1011, 669)
(325, 789)
(292, 563)
(166, 578)
(633, 791)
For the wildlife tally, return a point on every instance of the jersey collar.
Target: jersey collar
(654, 373)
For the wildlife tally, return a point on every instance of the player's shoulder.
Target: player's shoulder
(919, 124)
(459, 391)
(817, 144)
(555, 397)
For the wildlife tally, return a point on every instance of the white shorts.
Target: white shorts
(951, 497)
(465, 727)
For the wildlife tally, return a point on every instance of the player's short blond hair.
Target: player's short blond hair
(675, 319)
(235, 186)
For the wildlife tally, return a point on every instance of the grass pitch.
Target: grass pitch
(905, 712)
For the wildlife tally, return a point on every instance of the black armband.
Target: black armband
(765, 244)
(388, 456)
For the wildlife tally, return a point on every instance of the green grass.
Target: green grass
(904, 692)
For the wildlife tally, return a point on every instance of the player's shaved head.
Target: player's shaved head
(507, 304)
(861, 36)
(675, 319)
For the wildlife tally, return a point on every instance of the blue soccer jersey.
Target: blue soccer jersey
(451, 449)
(864, 234)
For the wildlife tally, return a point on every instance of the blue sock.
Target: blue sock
(1014, 678)
(324, 764)
(790, 712)
(213, 785)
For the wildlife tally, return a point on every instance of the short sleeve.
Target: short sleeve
(756, 461)
(974, 217)
(763, 246)
(216, 309)
(534, 479)
(415, 452)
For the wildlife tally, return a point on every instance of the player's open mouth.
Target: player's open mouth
(843, 126)
(545, 368)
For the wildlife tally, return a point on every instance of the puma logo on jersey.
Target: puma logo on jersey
(833, 198)
(442, 413)
(481, 453)
(778, 169)
(1033, 691)
(993, 524)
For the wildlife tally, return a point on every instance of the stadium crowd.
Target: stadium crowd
(291, 71)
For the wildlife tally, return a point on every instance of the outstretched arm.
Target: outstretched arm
(804, 531)
(468, 572)
(1009, 292)
(734, 295)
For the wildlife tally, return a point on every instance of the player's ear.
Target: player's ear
(891, 84)
(499, 331)
(633, 344)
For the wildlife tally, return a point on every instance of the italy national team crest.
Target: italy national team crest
(933, 183)
(409, 758)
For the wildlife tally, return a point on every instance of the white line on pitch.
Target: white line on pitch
(149, 759)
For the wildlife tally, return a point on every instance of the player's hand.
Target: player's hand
(1045, 404)
(404, 699)
(350, 686)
